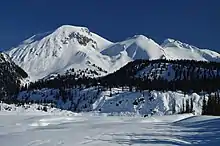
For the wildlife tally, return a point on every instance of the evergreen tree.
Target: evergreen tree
(183, 107)
(191, 105)
(187, 110)
(174, 106)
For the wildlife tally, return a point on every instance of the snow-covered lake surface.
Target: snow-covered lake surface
(100, 130)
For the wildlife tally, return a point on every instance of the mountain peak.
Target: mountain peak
(136, 37)
(140, 36)
(71, 28)
(168, 42)
(176, 43)
(60, 50)
(60, 33)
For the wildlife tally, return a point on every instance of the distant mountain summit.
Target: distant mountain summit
(71, 49)
(177, 50)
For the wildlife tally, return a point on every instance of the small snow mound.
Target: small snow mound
(39, 124)
(197, 120)
(56, 121)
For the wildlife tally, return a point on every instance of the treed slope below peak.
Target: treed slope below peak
(11, 76)
(184, 75)
(5, 59)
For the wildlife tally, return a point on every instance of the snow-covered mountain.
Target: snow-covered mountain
(65, 48)
(71, 47)
(177, 50)
(137, 47)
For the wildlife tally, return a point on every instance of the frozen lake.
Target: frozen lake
(90, 130)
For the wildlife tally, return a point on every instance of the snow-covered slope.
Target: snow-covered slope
(137, 47)
(177, 50)
(117, 102)
(65, 48)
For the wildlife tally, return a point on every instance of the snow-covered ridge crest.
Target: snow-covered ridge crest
(175, 49)
(176, 43)
(137, 47)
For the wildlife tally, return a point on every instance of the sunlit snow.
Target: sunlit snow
(22, 129)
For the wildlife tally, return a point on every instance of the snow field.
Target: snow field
(90, 130)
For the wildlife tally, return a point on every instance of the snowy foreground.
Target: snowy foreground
(41, 129)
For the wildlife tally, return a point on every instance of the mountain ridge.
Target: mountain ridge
(72, 47)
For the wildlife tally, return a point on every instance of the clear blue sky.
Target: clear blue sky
(193, 21)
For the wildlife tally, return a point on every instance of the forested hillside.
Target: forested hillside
(165, 75)
(137, 79)
(10, 77)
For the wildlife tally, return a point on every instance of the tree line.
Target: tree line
(185, 75)
(211, 106)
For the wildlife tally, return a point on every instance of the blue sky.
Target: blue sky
(193, 21)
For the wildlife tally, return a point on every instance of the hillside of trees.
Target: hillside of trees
(161, 75)
(190, 76)
(10, 77)
(212, 105)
